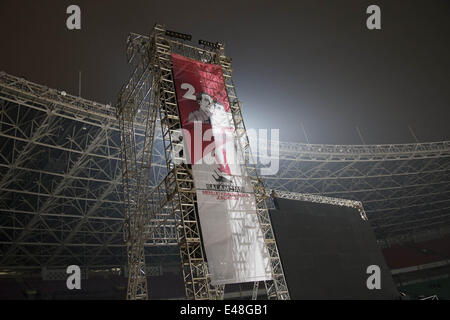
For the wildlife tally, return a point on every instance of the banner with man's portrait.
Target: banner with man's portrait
(231, 234)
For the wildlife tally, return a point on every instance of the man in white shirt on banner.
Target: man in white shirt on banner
(225, 152)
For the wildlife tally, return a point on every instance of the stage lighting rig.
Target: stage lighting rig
(211, 45)
(178, 35)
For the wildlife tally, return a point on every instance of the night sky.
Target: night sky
(311, 62)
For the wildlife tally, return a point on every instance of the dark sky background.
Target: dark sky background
(311, 62)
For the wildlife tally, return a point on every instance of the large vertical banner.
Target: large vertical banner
(231, 233)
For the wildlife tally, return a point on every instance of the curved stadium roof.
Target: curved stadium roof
(60, 181)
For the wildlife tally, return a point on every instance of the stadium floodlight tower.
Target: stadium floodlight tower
(149, 95)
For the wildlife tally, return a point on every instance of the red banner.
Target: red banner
(231, 234)
(203, 99)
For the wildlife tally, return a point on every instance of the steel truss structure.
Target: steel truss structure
(321, 199)
(61, 185)
(405, 188)
(175, 197)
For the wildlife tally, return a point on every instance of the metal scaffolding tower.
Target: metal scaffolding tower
(151, 91)
(136, 105)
